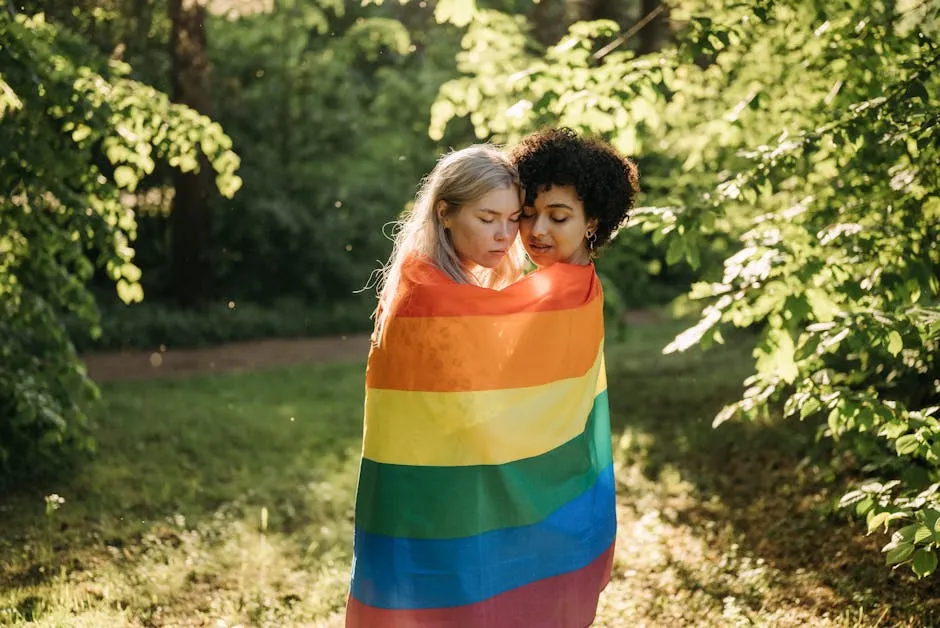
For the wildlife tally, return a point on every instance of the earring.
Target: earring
(591, 239)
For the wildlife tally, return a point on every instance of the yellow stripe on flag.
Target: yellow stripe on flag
(480, 427)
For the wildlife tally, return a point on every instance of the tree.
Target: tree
(190, 214)
(77, 133)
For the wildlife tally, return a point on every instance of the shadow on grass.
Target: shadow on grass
(756, 486)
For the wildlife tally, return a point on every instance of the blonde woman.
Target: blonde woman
(486, 492)
(464, 223)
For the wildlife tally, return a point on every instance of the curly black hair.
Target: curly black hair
(605, 181)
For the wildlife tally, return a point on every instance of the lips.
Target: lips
(539, 247)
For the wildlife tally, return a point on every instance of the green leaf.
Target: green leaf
(457, 12)
(81, 132)
(779, 359)
(922, 534)
(811, 406)
(877, 520)
(675, 251)
(125, 177)
(660, 234)
(129, 292)
(895, 342)
(900, 553)
(924, 563)
(932, 519)
(834, 421)
(893, 429)
(130, 272)
(693, 256)
(824, 308)
(864, 506)
(907, 444)
(906, 534)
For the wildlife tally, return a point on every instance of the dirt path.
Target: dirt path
(245, 356)
(234, 357)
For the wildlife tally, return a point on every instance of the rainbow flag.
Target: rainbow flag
(486, 487)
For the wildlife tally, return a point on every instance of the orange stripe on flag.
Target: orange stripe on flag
(469, 353)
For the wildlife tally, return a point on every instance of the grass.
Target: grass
(215, 499)
(228, 500)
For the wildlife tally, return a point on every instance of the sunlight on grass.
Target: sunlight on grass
(228, 501)
(730, 526)
(671, 573)
(235, 567)
(165, 525)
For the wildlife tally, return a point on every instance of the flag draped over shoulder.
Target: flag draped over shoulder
(486, 488)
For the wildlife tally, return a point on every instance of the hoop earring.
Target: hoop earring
(591, 237)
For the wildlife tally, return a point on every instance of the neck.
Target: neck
(473, 271)
(581, 258)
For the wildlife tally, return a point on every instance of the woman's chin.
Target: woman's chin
(542, 259)
(488, 260)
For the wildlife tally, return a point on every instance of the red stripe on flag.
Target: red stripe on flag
(565, 601)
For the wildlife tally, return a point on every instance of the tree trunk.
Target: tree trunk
(550, 20)
(655, 34)
(585, 10)
(189, 220)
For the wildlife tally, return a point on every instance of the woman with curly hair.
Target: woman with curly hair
(578, 192)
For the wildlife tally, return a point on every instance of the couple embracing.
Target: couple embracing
(486, 488)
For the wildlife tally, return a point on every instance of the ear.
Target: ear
(592, 225)
(442, 216)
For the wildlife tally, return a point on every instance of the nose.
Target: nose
(503, 230)
(539, 225)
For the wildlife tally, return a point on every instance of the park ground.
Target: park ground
(222, 490)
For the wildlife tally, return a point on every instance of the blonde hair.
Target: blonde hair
(460, 177)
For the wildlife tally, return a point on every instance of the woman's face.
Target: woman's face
(483, 230)
(554, 228)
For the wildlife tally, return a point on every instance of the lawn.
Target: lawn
(227, 500)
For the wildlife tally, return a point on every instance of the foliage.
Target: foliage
(840, 268)
(806, 135)
(327, 103)
(77, 132)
